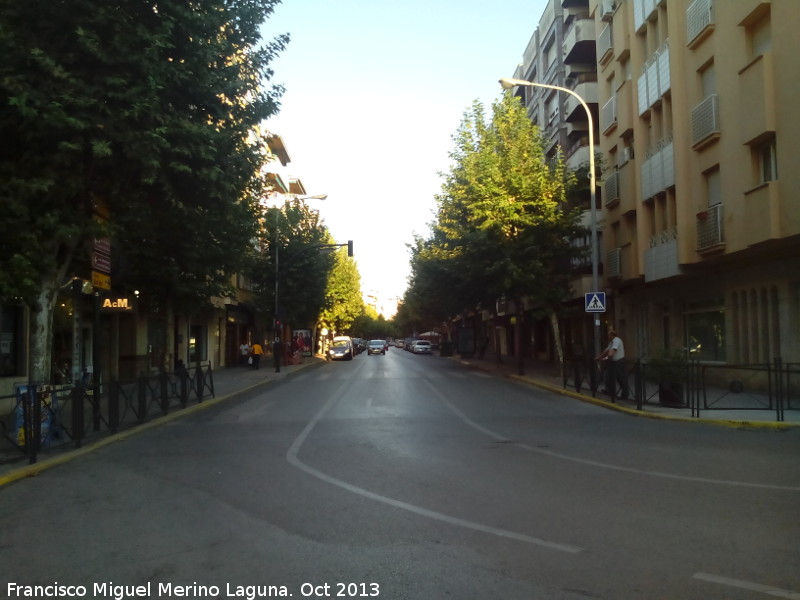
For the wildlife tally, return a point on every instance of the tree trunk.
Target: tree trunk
(41, 350)
(557, 341)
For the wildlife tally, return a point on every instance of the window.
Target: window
(705, 335)
(713, 187)
(11, 341)
(760, 36)
(766, 154)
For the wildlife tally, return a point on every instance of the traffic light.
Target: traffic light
(350, 248)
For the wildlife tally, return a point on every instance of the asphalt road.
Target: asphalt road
(405, 476)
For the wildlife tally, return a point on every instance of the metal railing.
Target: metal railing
(50, 417)
(693, 385)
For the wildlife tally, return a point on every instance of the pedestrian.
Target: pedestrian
(257, 351)
(614, 355)
(244, 353)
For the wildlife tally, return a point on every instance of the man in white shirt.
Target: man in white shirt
(615, 368)
(244, 352)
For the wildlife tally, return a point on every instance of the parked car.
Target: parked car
(358, 345)
(399, 343)
(341, 349)
(421, 347)
(376, 347)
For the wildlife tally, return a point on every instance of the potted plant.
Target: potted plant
(669, 371)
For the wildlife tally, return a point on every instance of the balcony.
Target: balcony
(626, 175)
(605, 44)
(608, 116)
(709, 229)
(763, 218)
(705, 122)
(643, 10)
(661, 259)
(654, 82)
(573, 110)
(624, 107)
(658, 169)
(756, 91)
(579, 42)
(699, 22)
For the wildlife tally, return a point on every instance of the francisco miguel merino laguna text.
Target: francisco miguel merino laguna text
(120, 592)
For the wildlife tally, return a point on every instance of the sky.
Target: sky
(374, 92)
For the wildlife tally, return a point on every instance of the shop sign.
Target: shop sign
(101, 280)
(116, 304)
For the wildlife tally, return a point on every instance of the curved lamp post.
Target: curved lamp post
(507, 83)
(277, 346)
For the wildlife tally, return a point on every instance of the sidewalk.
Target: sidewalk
(228, 383)
(546, 376)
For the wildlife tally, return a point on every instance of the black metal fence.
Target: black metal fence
(50, 417)
(697, 386)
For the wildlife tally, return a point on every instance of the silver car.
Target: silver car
(421, 347)
(376, 347)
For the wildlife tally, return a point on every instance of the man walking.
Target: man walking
(257, 352)
(615, 368)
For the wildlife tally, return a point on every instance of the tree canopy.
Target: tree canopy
(135, 120)
(503, 226)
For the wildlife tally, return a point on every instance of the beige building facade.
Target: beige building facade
(701, 203)
(696, 134)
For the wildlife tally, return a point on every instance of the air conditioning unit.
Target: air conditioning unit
(607, 8)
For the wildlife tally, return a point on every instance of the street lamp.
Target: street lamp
(507, 83)
(277, 347)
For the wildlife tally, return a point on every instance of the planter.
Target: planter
(670, 394)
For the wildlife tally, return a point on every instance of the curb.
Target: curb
(735, 424)
(69, 455)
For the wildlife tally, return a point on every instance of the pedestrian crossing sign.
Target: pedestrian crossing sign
(595, 302)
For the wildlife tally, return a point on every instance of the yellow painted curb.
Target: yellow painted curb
(736, 424)
(68, 455)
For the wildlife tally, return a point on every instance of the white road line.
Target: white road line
(595, 463)
(291, 456)
(747, 585)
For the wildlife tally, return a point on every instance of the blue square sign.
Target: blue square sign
(595, 302)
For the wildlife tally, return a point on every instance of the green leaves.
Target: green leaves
(503, 226)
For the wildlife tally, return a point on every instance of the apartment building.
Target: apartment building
(700, 202)
(700, 213)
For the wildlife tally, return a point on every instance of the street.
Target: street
(404, 476)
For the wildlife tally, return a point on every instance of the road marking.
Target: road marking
(747, 585)
(291, 456)
(595, 463)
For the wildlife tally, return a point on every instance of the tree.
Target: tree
(343, 300)
(304, 264)
(140, 110)
(502, 223)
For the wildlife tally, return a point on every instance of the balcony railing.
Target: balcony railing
(709, 228)
(699, 16)
(705, 120)
(605, 44)
(608, 115)
(654, 82)
(658, 169)
(611, 188)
